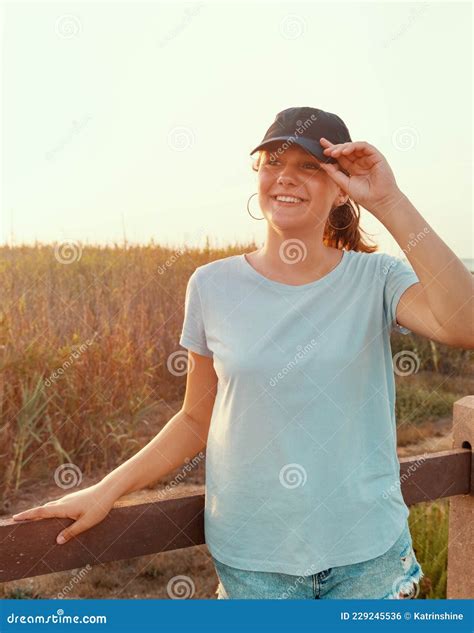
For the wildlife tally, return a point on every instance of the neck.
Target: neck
(296, 256)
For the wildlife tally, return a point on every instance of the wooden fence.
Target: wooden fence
(156, 525)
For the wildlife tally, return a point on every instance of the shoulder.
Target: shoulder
(369, 261)
(377, 266)
(216, 269)
(382, 267)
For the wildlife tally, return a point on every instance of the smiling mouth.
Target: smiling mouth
(289, 200)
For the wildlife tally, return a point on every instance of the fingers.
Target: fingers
(45, 511)
(353, 155)
(345, 162)
(359, 148)
(42, 513)
(324, 141)
(341, 164)
(334, 172)
(32, 513)
(73, 530)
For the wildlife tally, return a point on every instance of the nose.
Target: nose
(287, 175)
(286, 178)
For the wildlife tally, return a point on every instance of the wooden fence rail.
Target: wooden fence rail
(160, 524)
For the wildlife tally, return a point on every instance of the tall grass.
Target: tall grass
(429, 529)
(83, 351)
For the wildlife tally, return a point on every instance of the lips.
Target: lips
(288, 199)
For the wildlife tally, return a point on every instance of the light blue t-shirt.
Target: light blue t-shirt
(302, 472)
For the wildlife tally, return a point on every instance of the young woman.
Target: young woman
(290, 380)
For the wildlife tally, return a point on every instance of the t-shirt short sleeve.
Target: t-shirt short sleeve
(398, 277)
(193, 334)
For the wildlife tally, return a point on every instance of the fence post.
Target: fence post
(460, 580)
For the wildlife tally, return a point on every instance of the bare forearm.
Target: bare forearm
(181, 438)
(448, 284)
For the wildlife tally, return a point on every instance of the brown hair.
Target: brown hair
(347, 216)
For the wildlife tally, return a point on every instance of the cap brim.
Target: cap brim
(314, 148)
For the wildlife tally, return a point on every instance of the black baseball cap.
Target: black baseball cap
(305, 126)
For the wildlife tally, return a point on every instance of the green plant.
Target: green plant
(429, 529)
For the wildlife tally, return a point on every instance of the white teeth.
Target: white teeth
(288, 199)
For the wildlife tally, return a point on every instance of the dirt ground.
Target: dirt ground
(429, 437)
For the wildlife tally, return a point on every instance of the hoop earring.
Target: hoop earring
(340, 228)
(248, 210)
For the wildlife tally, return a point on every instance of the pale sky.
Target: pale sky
(142, 115)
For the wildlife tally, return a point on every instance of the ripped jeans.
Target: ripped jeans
(393, 575)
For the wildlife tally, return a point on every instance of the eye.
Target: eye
(272, 161)
(312, 165)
